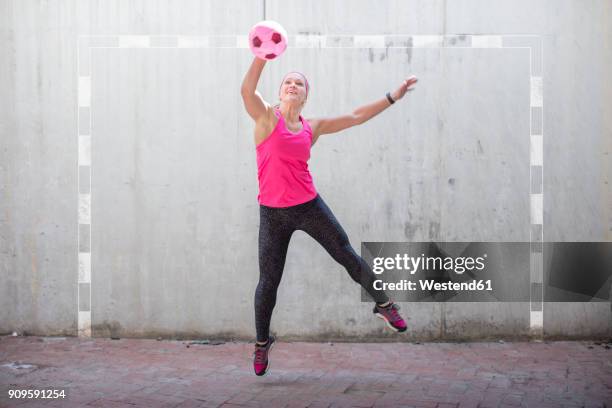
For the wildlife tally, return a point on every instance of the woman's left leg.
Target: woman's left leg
(321, 224)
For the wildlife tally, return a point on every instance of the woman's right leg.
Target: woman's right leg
(322, 225)
(274, 236)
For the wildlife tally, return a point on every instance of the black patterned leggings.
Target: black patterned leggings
(275, 229)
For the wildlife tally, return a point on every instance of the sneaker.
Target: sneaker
(260, 357)
(390, 315)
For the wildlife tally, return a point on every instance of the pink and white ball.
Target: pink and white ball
(267, 39)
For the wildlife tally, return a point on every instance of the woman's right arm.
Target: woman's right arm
(254, 103)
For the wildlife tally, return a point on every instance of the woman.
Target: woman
(288, 200)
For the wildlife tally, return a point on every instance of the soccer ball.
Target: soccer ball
(267, 39)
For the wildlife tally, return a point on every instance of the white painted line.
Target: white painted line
(310, 41)
(537, 150)
(84, 150)
(426, 41)
(134, 41)
(84, 91)
(536, 92)
(84, 208)
(536, 319)
(487, 41)
(185, 41)
(369, 41)
(537, 208)
(85, 324)
(84, 267)
(537, 263)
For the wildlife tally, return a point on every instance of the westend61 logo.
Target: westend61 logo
(448, 271)
(488, 271)
(413, 264)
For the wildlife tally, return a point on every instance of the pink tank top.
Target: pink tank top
(282, 166)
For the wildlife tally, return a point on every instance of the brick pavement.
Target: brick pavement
(149, 373)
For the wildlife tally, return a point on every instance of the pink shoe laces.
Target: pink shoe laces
(261, 354)
(392, 310)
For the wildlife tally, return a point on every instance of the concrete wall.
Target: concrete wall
(174, 216)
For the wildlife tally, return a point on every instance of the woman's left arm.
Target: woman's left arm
(360, 115)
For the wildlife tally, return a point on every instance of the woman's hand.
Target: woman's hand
(404, 87)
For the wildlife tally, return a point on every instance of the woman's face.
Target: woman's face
(293, 89)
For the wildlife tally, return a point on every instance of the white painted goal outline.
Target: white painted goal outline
(85, 43)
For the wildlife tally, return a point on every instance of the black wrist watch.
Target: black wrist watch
(389, 98)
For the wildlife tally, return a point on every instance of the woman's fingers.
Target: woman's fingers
(405, 86)
(408, 82)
